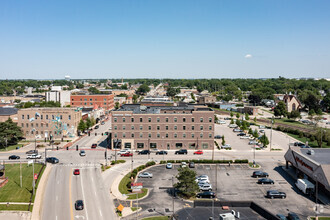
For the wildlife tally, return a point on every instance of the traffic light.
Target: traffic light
(57, 148)
(76, 147)
(95, 134)
(67, 148)
(89, 133)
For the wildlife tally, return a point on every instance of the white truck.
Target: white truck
(305, 186)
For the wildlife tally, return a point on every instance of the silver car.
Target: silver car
(82, 153)
(145, 175)
(169, 166)
(33, 156)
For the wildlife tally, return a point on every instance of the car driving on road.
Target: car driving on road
(13, 157)
(52, 160)
(76, 172)
(200, 152)
(82, 153)
(181, 151)
(127, 154)
(33, 156)
(79, 205)
(162, 152)
(94, 145)
(145, 175)
(32, 152)
(144, 152)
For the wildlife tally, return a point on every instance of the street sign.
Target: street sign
(30, 162)
(35, 176)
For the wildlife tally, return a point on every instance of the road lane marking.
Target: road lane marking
(70, 196)
(100, 212)
(82, 188)
(56, 198)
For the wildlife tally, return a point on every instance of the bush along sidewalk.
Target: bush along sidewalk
(206, 161)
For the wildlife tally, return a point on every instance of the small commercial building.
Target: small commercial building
(312, 164)
(105, 101)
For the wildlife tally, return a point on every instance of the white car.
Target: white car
(206, 187)
(123, 151)
(245, 137)
(253, 142)
(82, 153)
(226, 146)
(183, 164)
(221, 122)
(233, 125)
(145, 175)
(33, 156)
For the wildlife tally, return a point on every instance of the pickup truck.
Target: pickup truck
(33, 156)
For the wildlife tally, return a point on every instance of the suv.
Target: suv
(33, 156)
(275, 194)
(144, 152)
(206, 187)
(206, 194)
(181, 151)
(32, 152)
(259, 174)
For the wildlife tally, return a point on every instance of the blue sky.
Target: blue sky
(164, 39)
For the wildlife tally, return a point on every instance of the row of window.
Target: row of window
(53, 117)
(159, 136)
(166, 119)
(92, 100)
(91, 103)
(42, 132)
(177, 145)
(184, 127)
(37, 125)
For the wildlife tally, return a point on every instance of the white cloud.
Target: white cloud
(248, 56)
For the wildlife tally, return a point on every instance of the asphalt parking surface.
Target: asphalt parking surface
(234, 183)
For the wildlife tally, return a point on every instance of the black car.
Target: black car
(13, 157)
(241, 134)
(217, 137)
(79, 205)
(32, 152)
(144, 152)
(106, 133)
(299, 144)
(96, 127)
(161, 152)
(259, 174)
(293, 216)
(52, 160)
(281, 217)
(265, 181)
(206, 194)
(181, 151)
(275, 194)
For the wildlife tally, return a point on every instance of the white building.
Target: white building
(58, 95)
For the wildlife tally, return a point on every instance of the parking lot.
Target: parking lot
(233, 183)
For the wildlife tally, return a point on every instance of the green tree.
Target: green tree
(81, 125)
(187, 185)
(215, 118)
(172, 91)
(93, 121)
(250, 131)
(321, 135)
(238, 122)
(88, 123)
(247, 116)
(294, 114)
(135, 98)
(280, 110)
(255, 119)
(326, 103)
(231, 121)
(237, 115)
(231, 114)
(255, 133)
(223, 142)
(264, 140)
(143, 89)
(117, 105)
(11, 132)
(93, 90)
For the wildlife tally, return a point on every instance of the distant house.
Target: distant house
(292, 103)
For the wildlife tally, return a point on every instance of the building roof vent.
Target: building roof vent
(143, 108)
(310, 152)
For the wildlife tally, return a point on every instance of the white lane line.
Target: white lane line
(95, 193)
(58, 182)
(100, 212)
(56, 198)
(56, 218)
(82, 188)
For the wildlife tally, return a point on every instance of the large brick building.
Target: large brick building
(105, 101)
(40, 123)
(164, 127)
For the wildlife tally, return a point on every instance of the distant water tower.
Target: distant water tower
(67, 77)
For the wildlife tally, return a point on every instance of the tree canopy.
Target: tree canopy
(11, 132)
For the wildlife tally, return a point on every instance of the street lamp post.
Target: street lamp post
(148, 149)
(173, 194)
(271, 134)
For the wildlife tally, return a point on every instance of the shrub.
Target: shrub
(312, 138)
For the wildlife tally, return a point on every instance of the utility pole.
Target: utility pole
(20, 172)
(216, 178)
(213, 153)
(271, 134)
(173, 194)
(33, 182)
(148, 149)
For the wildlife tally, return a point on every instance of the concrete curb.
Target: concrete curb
(38, 201)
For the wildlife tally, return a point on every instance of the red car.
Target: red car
(76, 172)
(127, 154)
(198, 152)
(94, 145)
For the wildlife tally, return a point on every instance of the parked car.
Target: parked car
(144, 152)
(94, 145)
(183, 164)
(33, 156)
(275, 194)
(221, 122)
(206, 194)
(127, 154)
(13, 157)
(217, 137)
(202, 178)
(52, 160)
(82, 153)
(102, 123)
(245, 137)
(259, 174)
(145, 175)
(233, 126)
(299, 144)
(227, 118)
(181, 151)
(191, 165)
(262, 131)
(237, 130)
(281, 217)
(206, 187)
(32, 152)
(76, 172)
(262, 127)
(125, 150)
(96, 127)
(265, 181)
(253, 142)
(169, 166)
(161, 152)
(293, 216)
(200, 152)
(226, 146)
(79, 205)
(241, 134)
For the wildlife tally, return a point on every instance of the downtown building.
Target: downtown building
(105, 101)
(41, 123)
(163, 127)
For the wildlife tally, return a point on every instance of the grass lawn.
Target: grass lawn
(321, 218)
(310, 143)
(291, 122)
(12, 147)
(15, 207)
(124, 190)
(12, 192)
(157, 218)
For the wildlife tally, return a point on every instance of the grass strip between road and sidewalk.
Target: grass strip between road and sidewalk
(11, 147)
(123, 189)
(14, 207)
(157, 218)
(12, 192)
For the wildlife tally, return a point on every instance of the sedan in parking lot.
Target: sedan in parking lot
(245, 137)
(217, 137)
(253, 142)
(206, 187)
(265, 181)
(127, 154)
(200, 152)
(226, 146)
(161, 152)
(169, 166)
(275, 194)
(13, 157)
(145, 175)
(237, 130)
(241, 134)
(206, 194)
(191, 165)
(259, 174)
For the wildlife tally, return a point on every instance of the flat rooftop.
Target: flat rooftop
(139, 109)
(321, 155)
